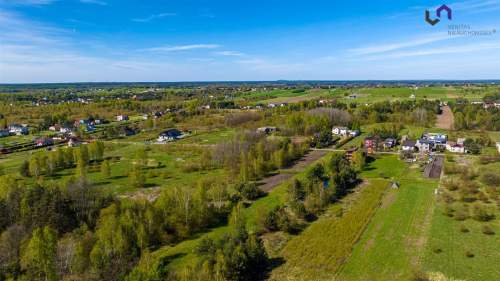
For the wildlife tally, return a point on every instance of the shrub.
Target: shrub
(491, 179)
(469, 254)
(482, 213)
(464, 229)
(486, 229)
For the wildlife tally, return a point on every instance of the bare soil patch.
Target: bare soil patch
(445, 119)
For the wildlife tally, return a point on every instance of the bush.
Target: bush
(469, 254)
(491, 179)
(464, 229)
(486, 229)
(482, 213)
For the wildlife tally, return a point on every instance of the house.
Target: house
(18, 129)
(371, 144)
(435, 139)
(65, 130)
(122, 118)
(498, 146)
(157, 114)
(354, 133)
(389, 143)
(408, 145)
(455, 147)
(88, 128)
(74, 142)
(44, 142)
(424, 145)
(267, 130)
(395, 185)
(340, 131)
(170, 135)
(145, 117)
(4, 133)
(54, 128)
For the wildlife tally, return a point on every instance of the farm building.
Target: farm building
(340, 131)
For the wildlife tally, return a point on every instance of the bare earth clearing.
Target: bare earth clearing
(445, 119)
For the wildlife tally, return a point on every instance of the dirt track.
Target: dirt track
(445, 119)
(269, 183)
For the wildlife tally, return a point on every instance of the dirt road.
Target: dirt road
(445, 119)
(269, 183)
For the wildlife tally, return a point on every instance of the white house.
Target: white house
(455, 147)
(170, 135)
(18, 129)
(354, 133)
(340, 131)
(424, 145)
(408, 145)
(122, 118)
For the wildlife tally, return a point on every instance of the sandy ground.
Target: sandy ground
(445, 119)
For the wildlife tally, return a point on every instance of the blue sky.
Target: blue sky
(207, 40)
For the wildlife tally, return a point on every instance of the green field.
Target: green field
(449, 244)
(392, 246)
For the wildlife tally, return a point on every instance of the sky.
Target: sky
(44, 41)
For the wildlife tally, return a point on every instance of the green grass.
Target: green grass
(392, 245)
(182, 254)
(447, 247)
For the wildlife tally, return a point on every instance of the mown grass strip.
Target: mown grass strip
(319, 252)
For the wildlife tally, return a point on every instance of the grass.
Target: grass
(466, 255)
(393, 244)
(182, 254)
(319, 251)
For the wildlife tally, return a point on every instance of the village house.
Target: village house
(4, 133)
(18, 130)
(170, 135)
(74, 142)
(424, 145)
(455, 147)
(267, 130)
(122, 118)
(408, 145)
(389, 143)
(354, 133)
(40, 142)
(371, 144)
(340, 131)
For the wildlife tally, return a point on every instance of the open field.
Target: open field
(393, 244)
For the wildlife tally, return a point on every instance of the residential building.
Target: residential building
(4, 133)
(340, 131)
(455, 147)
(267, 130)
(424, 145)
(44, 142)
(371, 144)
(389, 143)
(18, 129)
(122, 118)
(170, 135)
(408, 145)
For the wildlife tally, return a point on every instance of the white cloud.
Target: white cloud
(423, 40)
(153, 17)
(230, 53)
(182, 48)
